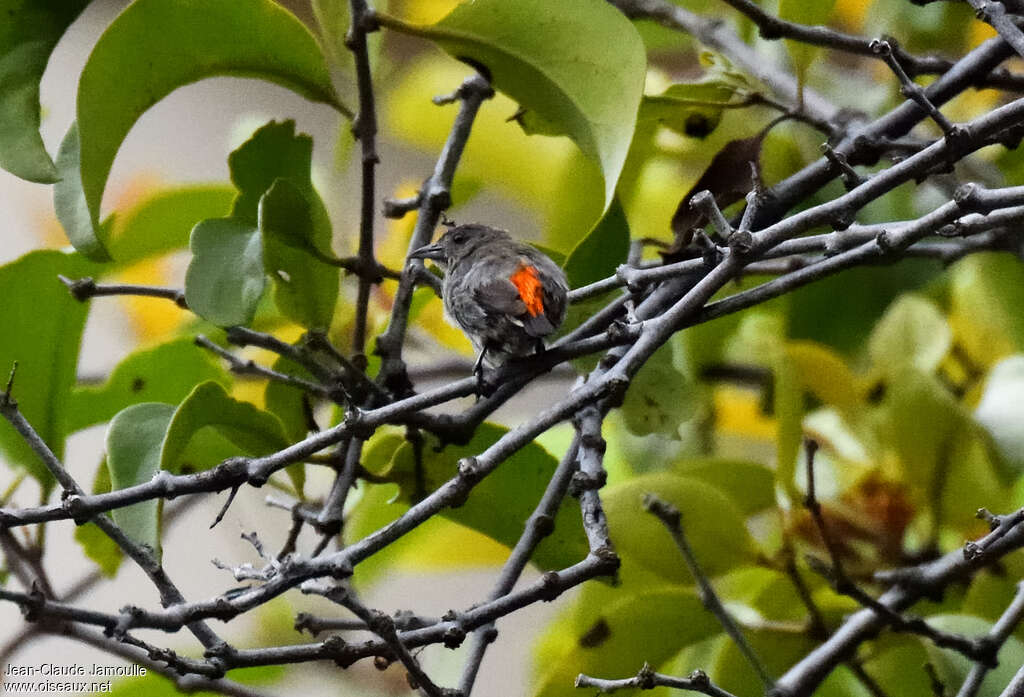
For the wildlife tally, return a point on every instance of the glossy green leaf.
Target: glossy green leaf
(134, 441)
(285, 216)
(305, 289)
(514, 489)
(28, 34)
(714, 526)
(578, 65)
(547, 175)
(252, 431)
(94, 542)
(42, 327)
(161, 223)
(912, 332)
(274, 151)
(165, 373)
(69, 201)
(599, 253)
(647, 627)
(952, 667)
(156, 46)
(225, 278)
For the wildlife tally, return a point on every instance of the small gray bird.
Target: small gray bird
(505, 295)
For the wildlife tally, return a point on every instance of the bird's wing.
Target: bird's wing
(521, 296)
(500, 295)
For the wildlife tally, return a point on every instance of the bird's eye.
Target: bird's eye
(459, 238)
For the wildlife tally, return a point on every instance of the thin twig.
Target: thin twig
(250, 367)
(994, 13)
(647, 679)
(672, 520)
(434, 197)
(364, 128)
(384, 626)
(994, 640)
(83, 289)
(539, 525)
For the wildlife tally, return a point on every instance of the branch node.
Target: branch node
(74, 507)
(608, 561)
(453, 637)
(82, 289)
(615, 389)
(551, 586)
(970, 197)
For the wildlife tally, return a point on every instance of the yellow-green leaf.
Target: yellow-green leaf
(578, 65)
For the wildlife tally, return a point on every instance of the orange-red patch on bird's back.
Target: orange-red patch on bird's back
(528, 284)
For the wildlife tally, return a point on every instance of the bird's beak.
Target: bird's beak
(430, 251)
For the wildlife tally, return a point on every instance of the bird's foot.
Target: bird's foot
(485, 386)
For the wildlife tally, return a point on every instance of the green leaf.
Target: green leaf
(788, 408)
(749, 485)
(986, 295)
(94, 542)
(164, 373)
(579, 66)
(657, 399)
(803, 12)
(161, 223)
(225, 278)
(952, 667)
(289, 404)
(153, 684)
(156, 46)
(823, 373)
(42, 327)
(332, 16)
(695, 108)
(69, 201)
(599, 253)
(134, 442)
(941, 450)
(730, 670)
(514, 489)
(252, 431)
(284, 215)
(305, 289)
(274, 151)
(648, 627)
(28, 34)
(912, 332)
(714, 526)
(286, 401)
